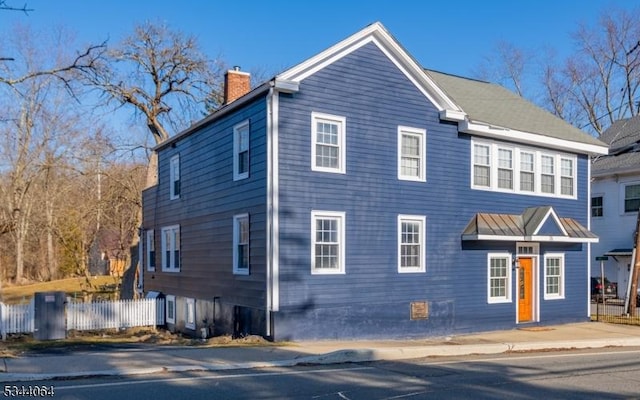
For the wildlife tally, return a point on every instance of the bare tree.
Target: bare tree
(5, 6)
(163, 76)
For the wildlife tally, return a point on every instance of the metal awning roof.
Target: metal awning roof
(619, 253)
(538, 224)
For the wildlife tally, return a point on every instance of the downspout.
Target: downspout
(589, 229)
(141, 244)
(272, 194)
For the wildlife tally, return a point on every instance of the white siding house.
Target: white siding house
(615, 200)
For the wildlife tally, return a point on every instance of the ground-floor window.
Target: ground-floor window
(499, 277)
(190, 315)
(171, 309)
(554, 275)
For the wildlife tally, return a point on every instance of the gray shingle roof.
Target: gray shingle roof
(623, 137)
(492, 104)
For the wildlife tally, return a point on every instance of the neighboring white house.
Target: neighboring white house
(615, 200)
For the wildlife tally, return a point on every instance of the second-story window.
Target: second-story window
(174, 177)
(411, 154)
(241, 151)
(328, 143)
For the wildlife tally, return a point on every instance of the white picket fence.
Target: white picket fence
(88, 316)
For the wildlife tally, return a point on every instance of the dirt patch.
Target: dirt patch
(536, 329)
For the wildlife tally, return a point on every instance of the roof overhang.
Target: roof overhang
(527, 227)
(501, 133)
(619, 253)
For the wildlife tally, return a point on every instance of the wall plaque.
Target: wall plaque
(419, 310)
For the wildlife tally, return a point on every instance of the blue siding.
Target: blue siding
(372, 299)
(208, 201)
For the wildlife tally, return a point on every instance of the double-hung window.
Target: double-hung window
(411, 154)
(499, 278)
(151, 250)
(328, 242)
(411, 243)
(171, 248)
(241, 151)
(527, 171)
(241, 244)
(328, 143)
(482, 165)
(566, 176)
(554, 275)
(547, 179)
(505, 168)
(631, 198)
(174, 177)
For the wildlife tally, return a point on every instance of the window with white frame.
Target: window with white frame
(241, 244)
(527, 171)
(241, 151)
(520, 169)
(566, 176)
(190, 314)
(171, 248)
(597, 206)
(499, 277)
(151, 250)
(328, 143)
(327, 242)
(171, 309)
(631, 197)
(554, 275)
(505, 168)
(411, 243)
(174, 177)
(411, 154)
(481, 165)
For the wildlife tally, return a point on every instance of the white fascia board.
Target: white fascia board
(453, 115)
(552, 213)
(530, 138)
(377, 34)
(556, 239)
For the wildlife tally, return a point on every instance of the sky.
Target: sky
(271, 36)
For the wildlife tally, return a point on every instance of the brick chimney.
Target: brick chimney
(236, 84)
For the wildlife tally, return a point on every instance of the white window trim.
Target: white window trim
(507, 298)
(150, 245)
(174, 161)
(622, 198)
(553, 296)
(341, 217)
(493, 169)
(190, 311)
(342, 142)
(236, 150)
(236, 242)
(167, 265)
(423, 243)
(422, 135)
(170, 299)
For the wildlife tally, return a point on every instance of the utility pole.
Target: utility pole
(635, 269)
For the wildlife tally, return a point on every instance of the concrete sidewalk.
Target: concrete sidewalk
(151, 359)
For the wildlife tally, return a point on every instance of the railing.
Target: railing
(613, 310)
(88, 316)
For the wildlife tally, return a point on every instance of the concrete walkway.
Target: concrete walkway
(154, 359)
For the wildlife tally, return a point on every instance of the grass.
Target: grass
(74, 287)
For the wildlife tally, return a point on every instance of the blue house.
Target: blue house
(358, 195)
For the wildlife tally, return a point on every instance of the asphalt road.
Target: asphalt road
(588, 374)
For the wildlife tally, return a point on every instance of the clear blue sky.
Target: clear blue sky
(271, 35)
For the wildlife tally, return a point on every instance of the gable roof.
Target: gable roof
(490, 104)
(528, 226)
(623, 137)
(479, 108)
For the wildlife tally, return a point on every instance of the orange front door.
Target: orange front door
(525, 291)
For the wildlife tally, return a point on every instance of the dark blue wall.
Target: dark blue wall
(372, 299)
